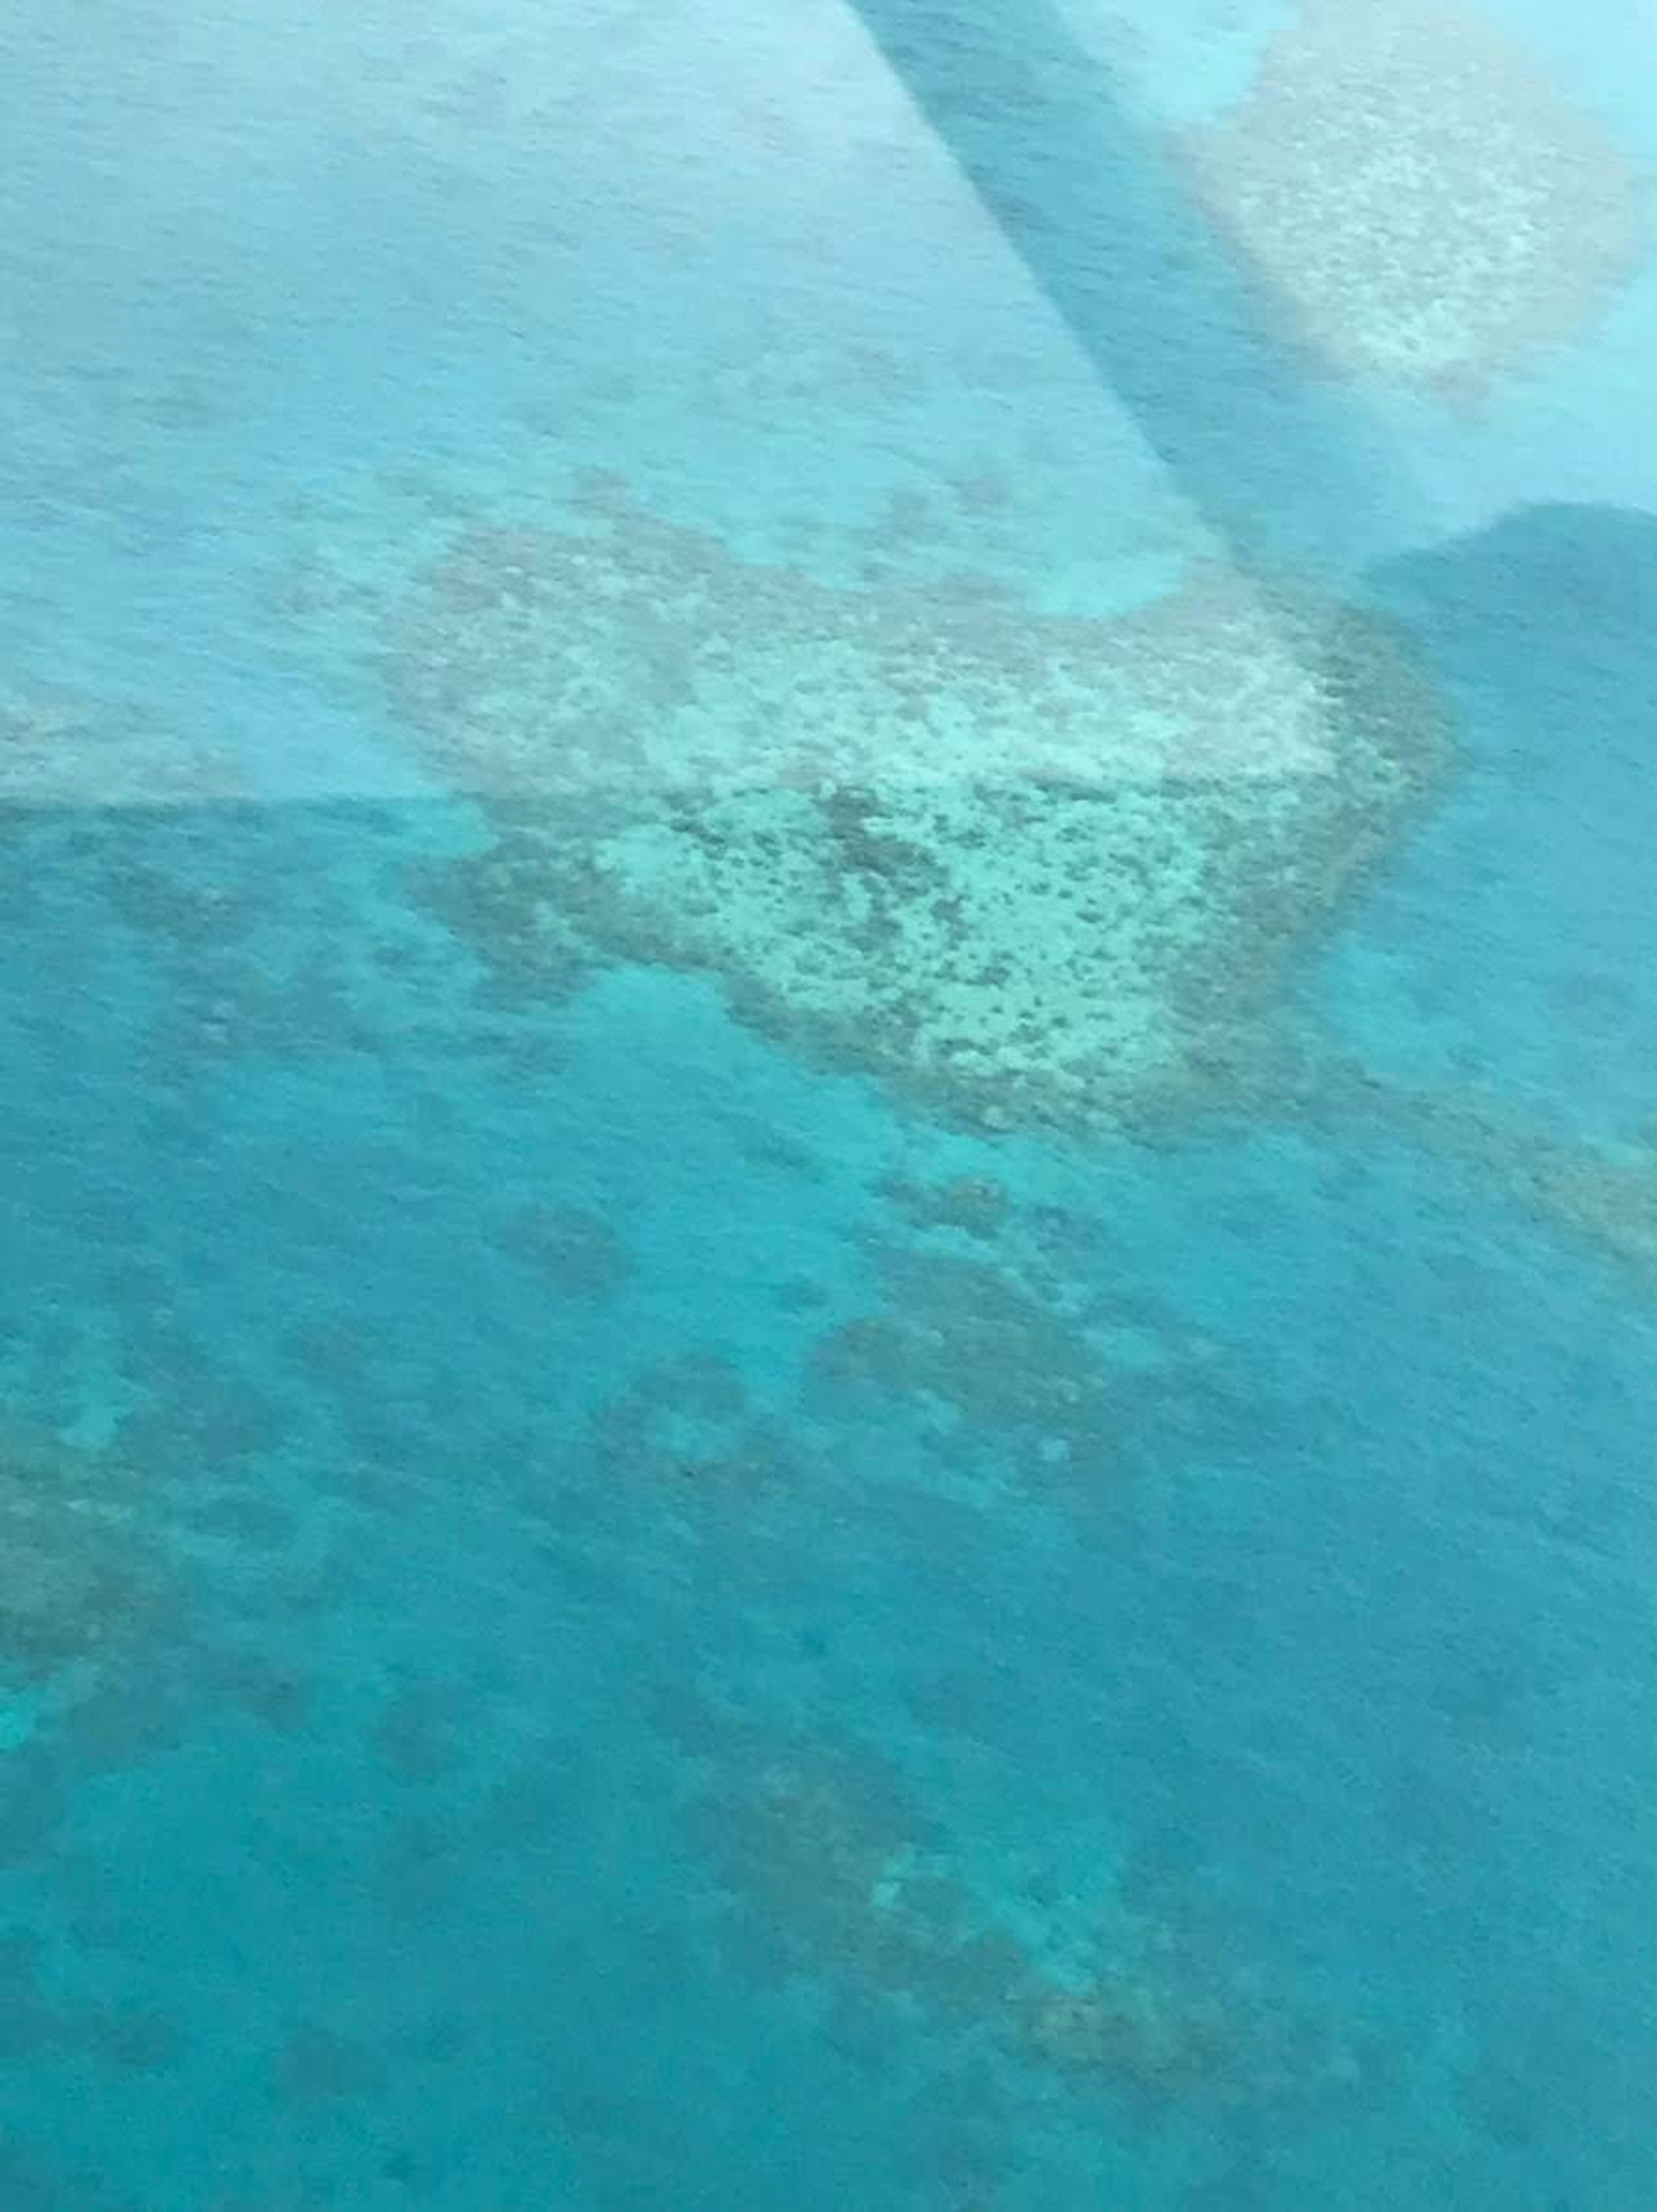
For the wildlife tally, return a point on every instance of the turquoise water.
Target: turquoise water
(682, 1525)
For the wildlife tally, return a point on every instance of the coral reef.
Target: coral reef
(977, 1206)
(688, 1423)
(60, 746)
(1004, 1345)
(1605, 1192)
(968, 1336)
(837, 1872)
(236, 931)
(1599, 1190)
(78, 1580)
(574, 1250)
(1027, 867)
(136, 1475)
(1429, 207)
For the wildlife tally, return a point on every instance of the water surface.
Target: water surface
(827, 1031)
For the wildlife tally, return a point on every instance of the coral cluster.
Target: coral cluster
(1429, 207)
(1027, 867)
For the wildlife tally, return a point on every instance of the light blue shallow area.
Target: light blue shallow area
(501, 1710)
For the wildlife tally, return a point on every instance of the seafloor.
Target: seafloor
(830, 1059)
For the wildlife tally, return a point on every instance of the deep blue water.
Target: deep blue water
(608, 1598)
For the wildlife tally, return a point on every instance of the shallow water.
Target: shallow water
(830, 1249)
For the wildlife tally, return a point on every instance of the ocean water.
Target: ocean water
(828, 1064)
